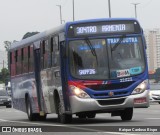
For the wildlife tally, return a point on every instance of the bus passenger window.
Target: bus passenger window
(10, 55)
(12, 64)
(22, 60)
(51, 50)
(45, 54)
(55, 53)
(42, 52)
(16, 61)
(25, 60)
(31, 59)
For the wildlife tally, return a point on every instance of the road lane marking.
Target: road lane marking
(23, 122)
(68, 126)
(8, 111)
(153, 118)
(2, 120)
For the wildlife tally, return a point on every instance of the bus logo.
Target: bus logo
(111, 94)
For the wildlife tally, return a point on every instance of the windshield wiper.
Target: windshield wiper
(91, 48)
(118, 43)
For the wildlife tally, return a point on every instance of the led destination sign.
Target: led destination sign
(98, 29)
(104, 28)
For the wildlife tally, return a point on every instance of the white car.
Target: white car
(155, 93)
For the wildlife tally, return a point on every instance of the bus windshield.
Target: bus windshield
(109, 58)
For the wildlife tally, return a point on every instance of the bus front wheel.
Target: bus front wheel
(127, 114)
(62, 117)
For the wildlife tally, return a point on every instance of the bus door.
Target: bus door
(64, 78)
(37, 62)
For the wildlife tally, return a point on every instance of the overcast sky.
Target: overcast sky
(18, 17)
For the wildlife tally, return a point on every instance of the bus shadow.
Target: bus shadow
(90, 121)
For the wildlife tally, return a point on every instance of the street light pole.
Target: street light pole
(73, 11)
(135, 7)
(109, 8)
(60, 13)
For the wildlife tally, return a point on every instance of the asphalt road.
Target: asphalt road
(102, 124)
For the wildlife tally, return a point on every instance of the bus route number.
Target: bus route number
(129, 79)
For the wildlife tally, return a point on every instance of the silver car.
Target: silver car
(155, 93)
(5, 99)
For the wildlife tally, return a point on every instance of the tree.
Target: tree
(29, 34)
(4, 75)
(7, 44)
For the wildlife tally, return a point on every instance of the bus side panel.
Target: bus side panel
(22, 86)
(48, 86)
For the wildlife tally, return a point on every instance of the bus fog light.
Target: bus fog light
(78, 92)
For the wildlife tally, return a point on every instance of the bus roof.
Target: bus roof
(61, 28)
(36, 37)
(102, 19)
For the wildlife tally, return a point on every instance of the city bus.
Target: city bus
(81, 68)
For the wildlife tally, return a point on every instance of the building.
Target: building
(3, 59)
(153, 48)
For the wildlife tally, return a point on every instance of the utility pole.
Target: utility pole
(73, 11)
(3, 63)
(135, 7)
(60, 13)
(109, 8)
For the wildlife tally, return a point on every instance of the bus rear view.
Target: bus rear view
(107, 67)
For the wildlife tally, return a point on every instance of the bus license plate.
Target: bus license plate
(140, 100)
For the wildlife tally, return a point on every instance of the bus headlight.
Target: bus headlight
(141, 87)
(78, 92)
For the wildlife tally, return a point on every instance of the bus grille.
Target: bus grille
(120, 93)
(113, 86)
(111, 102)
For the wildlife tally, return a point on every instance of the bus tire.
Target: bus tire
(31, 116)
(127, 114)
(8, 106)
(62, 117)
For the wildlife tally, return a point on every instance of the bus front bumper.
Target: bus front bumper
(109, 104)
